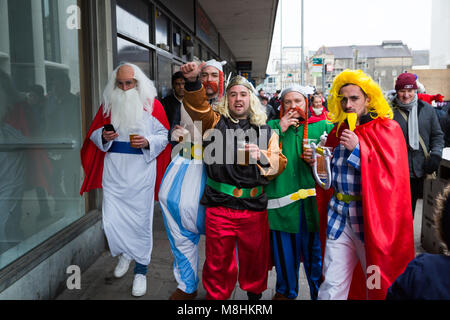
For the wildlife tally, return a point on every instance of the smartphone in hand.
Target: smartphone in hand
(109, 127)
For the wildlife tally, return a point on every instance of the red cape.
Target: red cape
(388, 224)
(92, 158)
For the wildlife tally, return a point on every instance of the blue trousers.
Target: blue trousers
(140, 269)
(288, 250)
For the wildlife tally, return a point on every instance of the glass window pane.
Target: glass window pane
(40, 125)
(132, 53)
(132, 19)
(162, 30)
(164, 76)
(177, 41)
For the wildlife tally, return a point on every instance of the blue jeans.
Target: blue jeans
(140, 269)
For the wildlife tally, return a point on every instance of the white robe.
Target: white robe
(128, 192)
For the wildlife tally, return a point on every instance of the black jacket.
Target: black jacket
(431, 133)
(171, 107)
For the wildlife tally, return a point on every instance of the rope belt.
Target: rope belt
(287, 200)
(124, 147)
(347, 198)
(235, 191)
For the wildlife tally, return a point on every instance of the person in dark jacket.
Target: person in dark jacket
(275, 102)
(172, 102)
(270, 112)
(427, 277)
(444, 120)
(422, 131)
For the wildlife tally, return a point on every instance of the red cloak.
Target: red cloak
(388, 224)
(92, 158)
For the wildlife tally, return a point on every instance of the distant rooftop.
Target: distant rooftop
(388, 49)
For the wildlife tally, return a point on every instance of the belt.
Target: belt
(235, 191)
(347, 197)
(124, 147)
(287, 200)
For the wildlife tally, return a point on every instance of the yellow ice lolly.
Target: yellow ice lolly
(351, 119)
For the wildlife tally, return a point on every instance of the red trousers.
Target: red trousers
(225, 229)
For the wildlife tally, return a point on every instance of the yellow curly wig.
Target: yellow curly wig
(378, 106)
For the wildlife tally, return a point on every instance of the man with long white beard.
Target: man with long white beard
(129, 171)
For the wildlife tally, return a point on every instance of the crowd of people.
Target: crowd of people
(229, 163)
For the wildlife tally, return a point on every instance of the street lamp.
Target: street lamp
(303, 49)
(281, 43)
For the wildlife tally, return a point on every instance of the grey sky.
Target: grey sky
(358, 22)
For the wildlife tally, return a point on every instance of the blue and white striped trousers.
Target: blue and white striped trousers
(184, 218)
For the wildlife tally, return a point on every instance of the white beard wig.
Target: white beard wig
(143, 94)
(126, 110)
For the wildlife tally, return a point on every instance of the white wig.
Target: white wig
(144, 86)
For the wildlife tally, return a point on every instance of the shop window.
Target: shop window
(177, 41)
(50, 23)
(40, 126)
(133, 19)
(132, 53)
(198, 51)
(164, 76)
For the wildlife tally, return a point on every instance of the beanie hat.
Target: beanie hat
(406, 81)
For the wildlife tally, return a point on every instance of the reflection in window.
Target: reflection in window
(132, 53)
(40, 127)
(51, 31)
(164, 76)
(162, 31)
(133, 20)
(176, 41)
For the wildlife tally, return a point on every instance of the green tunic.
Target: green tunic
(296, 176)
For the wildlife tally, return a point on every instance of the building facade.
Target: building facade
(440, 31)
(382, 62)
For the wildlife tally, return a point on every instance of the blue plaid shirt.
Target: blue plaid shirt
(345, 179)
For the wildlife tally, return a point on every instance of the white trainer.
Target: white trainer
(122, 267)
(139, 285)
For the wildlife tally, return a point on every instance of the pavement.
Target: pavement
(99, 283)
